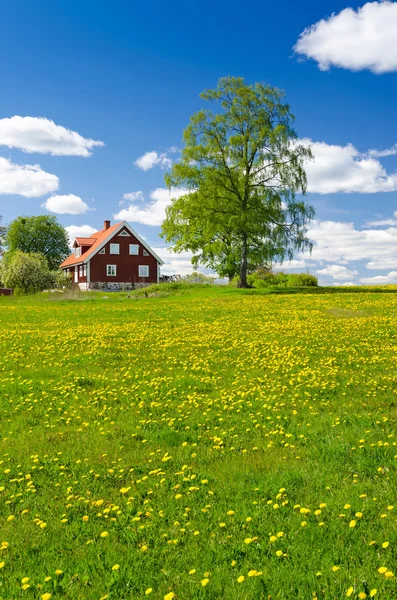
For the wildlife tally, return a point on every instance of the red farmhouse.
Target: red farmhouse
(114, 258)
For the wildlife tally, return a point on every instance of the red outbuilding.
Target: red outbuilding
(115, 258)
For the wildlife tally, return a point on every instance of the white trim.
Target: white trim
(134, 233)
(158, 273)
(88, 272)
(112, 251)
(102, 251)
(76, 274)
(143, 267)
(133, 253)
(111, 274)
(124, 234)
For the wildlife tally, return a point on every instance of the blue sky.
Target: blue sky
(129, 75)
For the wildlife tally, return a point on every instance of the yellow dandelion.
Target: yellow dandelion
(148, 591)
(115, 567)
(349, 592)
(169, 596)
(104, 534)
(241, 579)
(204, 582)
(385, 544)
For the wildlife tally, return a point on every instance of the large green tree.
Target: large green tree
(42, 235)
(242, 167)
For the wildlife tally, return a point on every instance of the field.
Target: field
(212, 444)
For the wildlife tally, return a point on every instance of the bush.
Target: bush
(268, 279)
(196, 277)
(26, 273)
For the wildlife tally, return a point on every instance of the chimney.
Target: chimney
(106, 225)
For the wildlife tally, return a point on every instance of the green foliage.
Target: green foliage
(196, 277)
(2, 236)
(242, 167)
(269, 279)
(39, 235)
(26, 273)
(63, 280)
(223, 437)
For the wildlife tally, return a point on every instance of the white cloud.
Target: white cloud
(337, 272)
(133, 196)
(388, 152)
(382, 222)
(67, 204)
(152, 159)
(389, 262)
(355, 40)
(178, 264)
(37, 134)
(292, 264)
(79, 231)
(152, 213)
(336, 241)
(26, 180)
(380, 279)
(337, 169)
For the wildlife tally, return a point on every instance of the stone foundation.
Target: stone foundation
(111, 286)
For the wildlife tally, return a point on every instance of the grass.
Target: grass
(198, 443)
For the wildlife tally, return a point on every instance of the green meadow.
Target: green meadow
(199, 443)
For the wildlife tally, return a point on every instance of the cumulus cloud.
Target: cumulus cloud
(178, 264)
(152, 213)
(26, 180)
(153, 159)
(79, 231)
(37, 134)
(355, 40)
(380, 279)
(67, 204)
(337, 169)
(336, 241)
(337, 272)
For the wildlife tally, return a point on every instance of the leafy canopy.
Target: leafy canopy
(242, 167)
(26, 273)
(2, 236)
(42, 235)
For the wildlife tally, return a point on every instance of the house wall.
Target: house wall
(127, 265)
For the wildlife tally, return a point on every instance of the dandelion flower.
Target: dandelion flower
(148, 591)
(169, 596)
(115, 567)
(385, 544)
(104, 534)
(349, 592)
(204, 582)
(241, 579)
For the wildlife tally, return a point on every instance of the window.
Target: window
(114, 248)
(145, 252)
(124, 233)
(111, 270)
(143, 271)
(134, 249)
(80, 271)
(102, 251)
(85, 270)
(77, 252)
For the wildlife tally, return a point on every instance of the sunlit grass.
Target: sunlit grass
(210, 444)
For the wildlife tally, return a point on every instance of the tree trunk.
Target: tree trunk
(243, 283)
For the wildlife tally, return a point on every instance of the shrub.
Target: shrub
(263, 279)
(26, 273)
(196, 277)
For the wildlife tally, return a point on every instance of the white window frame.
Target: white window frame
(146, 267)
(77, 252)
(124, 233)
(113, 248)
(81, 271)
(136, 246)
(84, 270)
(102, 251)
(145, 252)
(110, 269)
(76, 274)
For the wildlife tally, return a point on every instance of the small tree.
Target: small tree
(42, 235)
(242, 167)
(26, 273)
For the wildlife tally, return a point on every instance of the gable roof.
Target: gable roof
(85, 241)
(99, 239)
